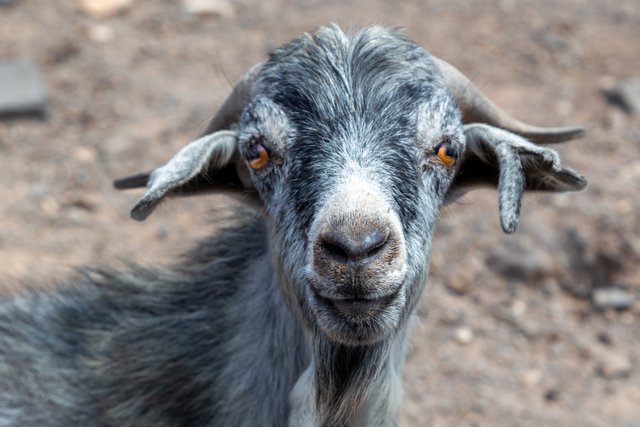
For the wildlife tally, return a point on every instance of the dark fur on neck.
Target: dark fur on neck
(345, 376)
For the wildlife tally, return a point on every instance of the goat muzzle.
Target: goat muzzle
(358, 260)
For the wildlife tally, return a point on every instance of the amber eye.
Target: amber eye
(447, 153)
(258, 157)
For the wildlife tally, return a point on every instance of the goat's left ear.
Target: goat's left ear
(207, 164)
(496, 157)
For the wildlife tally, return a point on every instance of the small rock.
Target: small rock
(222, 8)
(161, 233)
(605, 338)
(21, 89)
(606, 82)
(612, 297)
(552, 395)
(627, 318)
(50, 206)
(516, 262)
(461, 281)
(452, 316)
(458, 284)
(62, 52)
(626, 95)
(518, 307)
(84, 154)
(531, 378)
(104, 8)
(101, 33)
(613, 365)
(464, 335)
(84, 203)
(6, 2)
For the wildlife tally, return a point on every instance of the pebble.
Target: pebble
(161, 233)
(613, 365)
(626, 94)
(518, 307)
(222, 8)
(531, 378)
(464, 335)
(104, 8)
(101, 33)
(516, 262)
(627, 318)
(551, 395)
(606, 82)
(609, 362)
(50, 206)
(612, 297)
(459, 284)
(452, 316)
(84, 154)
(21, 89)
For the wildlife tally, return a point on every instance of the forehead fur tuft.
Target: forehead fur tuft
(374, 73)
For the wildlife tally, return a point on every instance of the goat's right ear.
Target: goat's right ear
(207, 164)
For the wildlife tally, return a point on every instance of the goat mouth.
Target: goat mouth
(357, 321)
(356, 309)
(353, 305)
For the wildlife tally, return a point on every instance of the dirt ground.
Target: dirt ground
(508, 334)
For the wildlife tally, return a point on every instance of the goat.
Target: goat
(349, 145)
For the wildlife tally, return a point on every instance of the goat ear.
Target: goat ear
(495, 157)
(207, 164)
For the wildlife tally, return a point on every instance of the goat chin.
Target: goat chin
(357, 322)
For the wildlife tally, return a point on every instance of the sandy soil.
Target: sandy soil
(508, 333)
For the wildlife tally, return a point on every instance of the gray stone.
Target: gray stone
(6, 2)
(464, 335)
(221, 8)
(626, 94)
(104, 8)
(613, 365)
(612, 297)
(21, 89)
(515, 261)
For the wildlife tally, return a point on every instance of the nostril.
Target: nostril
(334, 250)
(375, 242)
(354, 246)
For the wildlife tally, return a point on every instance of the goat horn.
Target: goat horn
(477, 108)
(228, 114)
(232, 107)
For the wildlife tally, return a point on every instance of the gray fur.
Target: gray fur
(277, 320)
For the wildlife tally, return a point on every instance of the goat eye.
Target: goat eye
(447, 153)
(258, 157)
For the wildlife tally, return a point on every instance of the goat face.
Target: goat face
(352, 144)
(353, 183)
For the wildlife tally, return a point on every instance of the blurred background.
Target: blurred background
(535, 329)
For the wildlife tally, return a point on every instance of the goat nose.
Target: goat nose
(354, 245)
